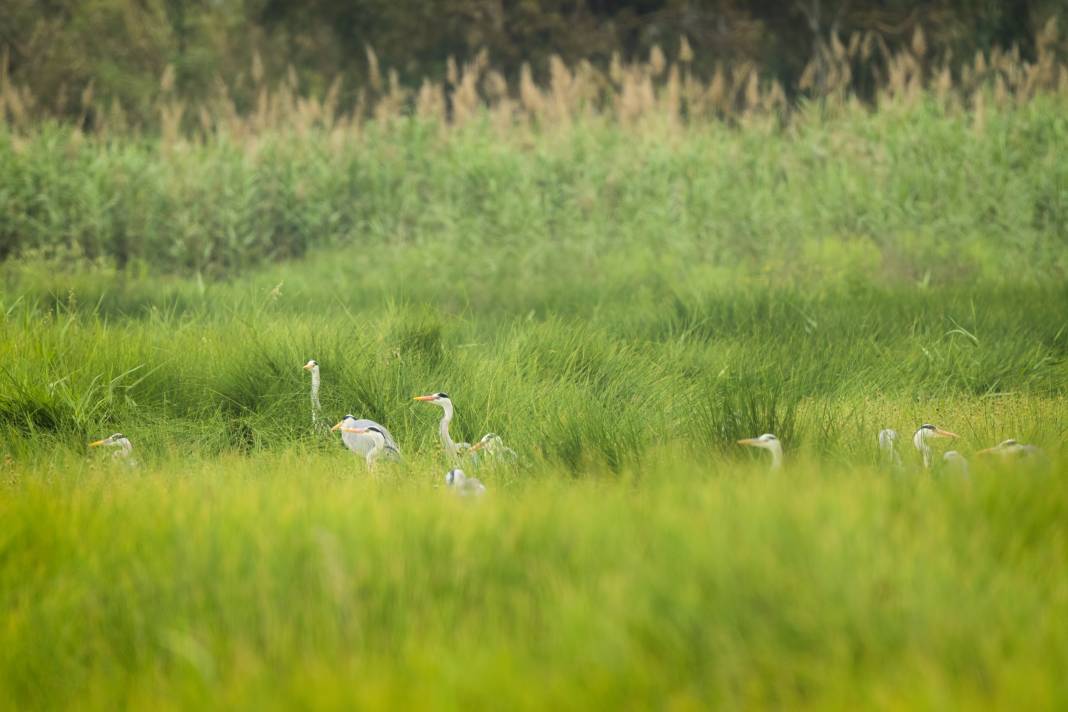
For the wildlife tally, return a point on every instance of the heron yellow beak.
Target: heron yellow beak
(337, 426)
(307, 367)
(987, 451)
(945, 433)
(98, 443)
(425, 398)
(748, 441)
(358, 431)
(477, 446)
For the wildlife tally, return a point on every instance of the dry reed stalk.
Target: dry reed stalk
(530, 96)
(657, 61)
(374, 74)
(465, 99)
(561, 90)
(656, 90)
(685, 51)
(430, 102)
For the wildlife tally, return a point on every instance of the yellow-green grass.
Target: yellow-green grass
(293, 579)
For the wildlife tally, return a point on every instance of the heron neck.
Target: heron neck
(125, 447)
(316, 407)
(443, 429)
(920, 441)
(890, 452)
(776, 457)
(925, 451)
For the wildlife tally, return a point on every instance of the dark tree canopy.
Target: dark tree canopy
(120, 48)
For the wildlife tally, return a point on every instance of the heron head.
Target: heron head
(311, 365)
(1005, 447)
(113, 439)
(341, 424)
(439, 398)
(369, 429)
(933, 431)
(766, 441)
(490, 441)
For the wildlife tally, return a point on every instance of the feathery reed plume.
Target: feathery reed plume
(860, 68)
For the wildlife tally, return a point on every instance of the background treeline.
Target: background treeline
(65, 53)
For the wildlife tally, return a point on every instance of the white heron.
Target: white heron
(925, 433)
(313, 367)
(362, 437)
(768, 442)
(463, 485)
(491, 446)
(121, 443)
(376, 435)
(956, 463)
(887, 446)
(452, 449)
(1014, 450)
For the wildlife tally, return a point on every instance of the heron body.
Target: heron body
(923, 435)
(362, 436)
(463, 485)
(1013, 450)
(956, 463)
(377, 437)
(768, 442)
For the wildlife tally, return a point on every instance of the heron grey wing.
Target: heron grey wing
(391, 444)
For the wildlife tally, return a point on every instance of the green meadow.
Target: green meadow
(621, 303)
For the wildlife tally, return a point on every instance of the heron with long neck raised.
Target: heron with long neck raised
(316, 408)
(925, 433)
(768, 442)
(452, 448)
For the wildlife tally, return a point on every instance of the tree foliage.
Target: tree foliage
(119, 49)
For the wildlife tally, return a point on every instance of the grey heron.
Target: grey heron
(887, 446)
(492, 447)
(463, 485)
(123, 446)
(924, 433)
(313, 367)
(768, 442)
(357, 435)
(1014, 450)
(452, 449)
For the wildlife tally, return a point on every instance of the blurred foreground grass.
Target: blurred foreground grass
(288, 580)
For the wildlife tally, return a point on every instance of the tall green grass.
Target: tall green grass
(579, 385)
